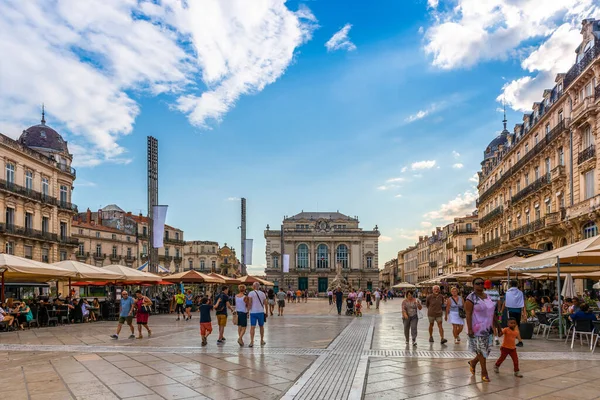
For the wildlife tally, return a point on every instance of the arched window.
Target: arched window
(590, 230)
(341, 255)
(302, 257)
(322, 256)
(202, 265)
(191, 263)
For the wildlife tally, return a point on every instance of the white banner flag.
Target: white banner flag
(248, 249)
(159, 215)
(286, 263)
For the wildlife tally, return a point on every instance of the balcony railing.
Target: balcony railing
(177, 260)
(449, 261)
(534, 187)
(491, 215)
(433, 264)
(489, 245)
(129, 259)
(580, 66)
(468, 248)
(82, 256)
(555, 217)
(529, 228)
(65, 168)
(115, 257)
(586, 154)
(597, 92)
(557, 173)
(98, 256)
(35, 195)
(553, 134)
(174, 241)
(458, 231)
(15, 230)
(449, 245)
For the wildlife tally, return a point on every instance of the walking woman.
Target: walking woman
(189, 300)
(241, 309)
(271, 297)
(143, 305)
(454, 308)
(410, 316)
(480, 322)
(368, 298)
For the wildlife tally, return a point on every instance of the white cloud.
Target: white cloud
(340, 40)
(232, 199)
(419, 165)
(457, 166)
(472, 30)
(412, 234)
(432, 3)
(455, 154)
(398, 179)
(404, 169)
(474, 178)
(417, 176)
(83, 182)
(398, 196)
(419, 115)
(384, 238)
(461, 205)
(426, 224)
(86, 65)
(385, 187)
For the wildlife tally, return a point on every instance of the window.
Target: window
(45, 257)
(28, 252)
(537, 214)
(81, 250)
(322, 256)
(341, 255)
(129, 253)
(587, 139)
(28, 221)
(561, 156)
(548, 165)
(114, 251)
(202, 265)
(98, 250)
(166, 235)
(10, 216)
(145, 231)
(302, 257)
(275, 263)
(214, 264)
(45, 224)
(536, 173)
(526, 178)
(548, 207)
(176, 253)
(28, 180)
(588, 179)
(518, 155)
(191, 264)
(63, 194)
(560, 116)
(63, 231)
(470, 243)
(63, 255)
(588, 90)
(469, 227)
(526, 148)
(10, 173)
(547, 129)
(10, 248)
(114, 237)
(176, 235)
(518, 186)
(535, 139)
(145, 249)
(527, 218)
(167, 252)
(46, 187)
(369, 261)
(98, 235)
(225, 261)
(129, 238)
(590, 230)
(469, 259)
(213, 249)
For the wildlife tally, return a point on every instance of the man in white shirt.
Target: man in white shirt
(257, 300)
(377, 298)
(514, 302)
(330, 296)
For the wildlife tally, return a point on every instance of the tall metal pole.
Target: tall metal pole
(243, 229)
(560, 320)
(152, 201)
(282, 253)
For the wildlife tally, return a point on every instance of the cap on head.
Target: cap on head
(487, 284)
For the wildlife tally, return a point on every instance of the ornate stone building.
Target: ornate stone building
(465, 238)
(317, 243)
(411, 264)
(35, 195)
(103, 245)
(538, 186)
(388, 276)
(207, 256)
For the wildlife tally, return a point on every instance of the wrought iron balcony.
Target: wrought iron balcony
(82, 255)
(115, 257)
(463, 231)
(489, 245)
(586, 154)
(468, 248)
(65, 168)
(529, 228)
(15, 230)
(177, 260)
(99, 257)
(491, 215)
(532, 188)
(557, 173)
(130, 259)
(35, 195)
(580, 66)
(174, 241)
(449, 245)
(433, 264)
(555, 217)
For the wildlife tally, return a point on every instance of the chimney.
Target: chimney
(99, 218)
(129, 213)
(88, 216)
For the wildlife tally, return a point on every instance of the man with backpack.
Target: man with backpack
(223, 302)
(256, 305)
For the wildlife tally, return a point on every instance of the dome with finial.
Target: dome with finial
(500, 140)
(42, 137)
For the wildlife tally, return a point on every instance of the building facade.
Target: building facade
(319, 244)
(388, 276)
(411, 264)
(538, 186)
(35, 195)
(465, 238)
(102, 245)
(207, 256)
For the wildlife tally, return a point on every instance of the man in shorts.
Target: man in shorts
(256, 306)
(434, 304)
(221, 305)
(125, 315)
(280, 302)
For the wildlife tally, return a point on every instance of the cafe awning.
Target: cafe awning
(498, 269)
(15, 268)
(250, 279)
(192, 276)
(228, 280)
(132, 274)
(89, 272)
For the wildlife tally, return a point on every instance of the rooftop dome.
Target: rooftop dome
(113, 207)
(44, 138)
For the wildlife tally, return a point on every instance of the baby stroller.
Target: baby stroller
(349, 307)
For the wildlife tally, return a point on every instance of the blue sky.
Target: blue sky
(389, 123)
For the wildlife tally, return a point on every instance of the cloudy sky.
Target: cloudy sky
(377, 109)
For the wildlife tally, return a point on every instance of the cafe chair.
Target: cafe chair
(35, 319)
(582, 328)
(51, 320)
(597, 331)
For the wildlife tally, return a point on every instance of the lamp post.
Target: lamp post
(2, 271)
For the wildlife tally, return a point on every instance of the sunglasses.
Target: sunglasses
(478, 283)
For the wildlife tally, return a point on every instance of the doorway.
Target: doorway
(323, 283)
(303, 283)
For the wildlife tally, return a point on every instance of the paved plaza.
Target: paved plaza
(311, 353)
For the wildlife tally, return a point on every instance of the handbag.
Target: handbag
(235, 318)
(146, 309)
(461, 311)
(420, 314)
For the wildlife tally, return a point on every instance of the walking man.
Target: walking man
(339, 298)
(280, 302)
(256, 305)
(377, 298)
(330, 296)
(223, 302)
(125, 315)
(514, 302)
(434, 304)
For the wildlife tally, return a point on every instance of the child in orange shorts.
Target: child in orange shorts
(205, 321)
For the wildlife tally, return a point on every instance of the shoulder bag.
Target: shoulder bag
(261, 303)
(461, 311)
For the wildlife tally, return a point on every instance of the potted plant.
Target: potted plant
(526, 327)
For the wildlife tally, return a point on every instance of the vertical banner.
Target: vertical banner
(159, 216)
(248, 251)
(286, 263)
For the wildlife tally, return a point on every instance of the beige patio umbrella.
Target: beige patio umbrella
(228, 280)
(403, 285)
(132, 274)
(13, 268)
(192, 276)
(250, 279)
(499, 269)
(86, 272)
